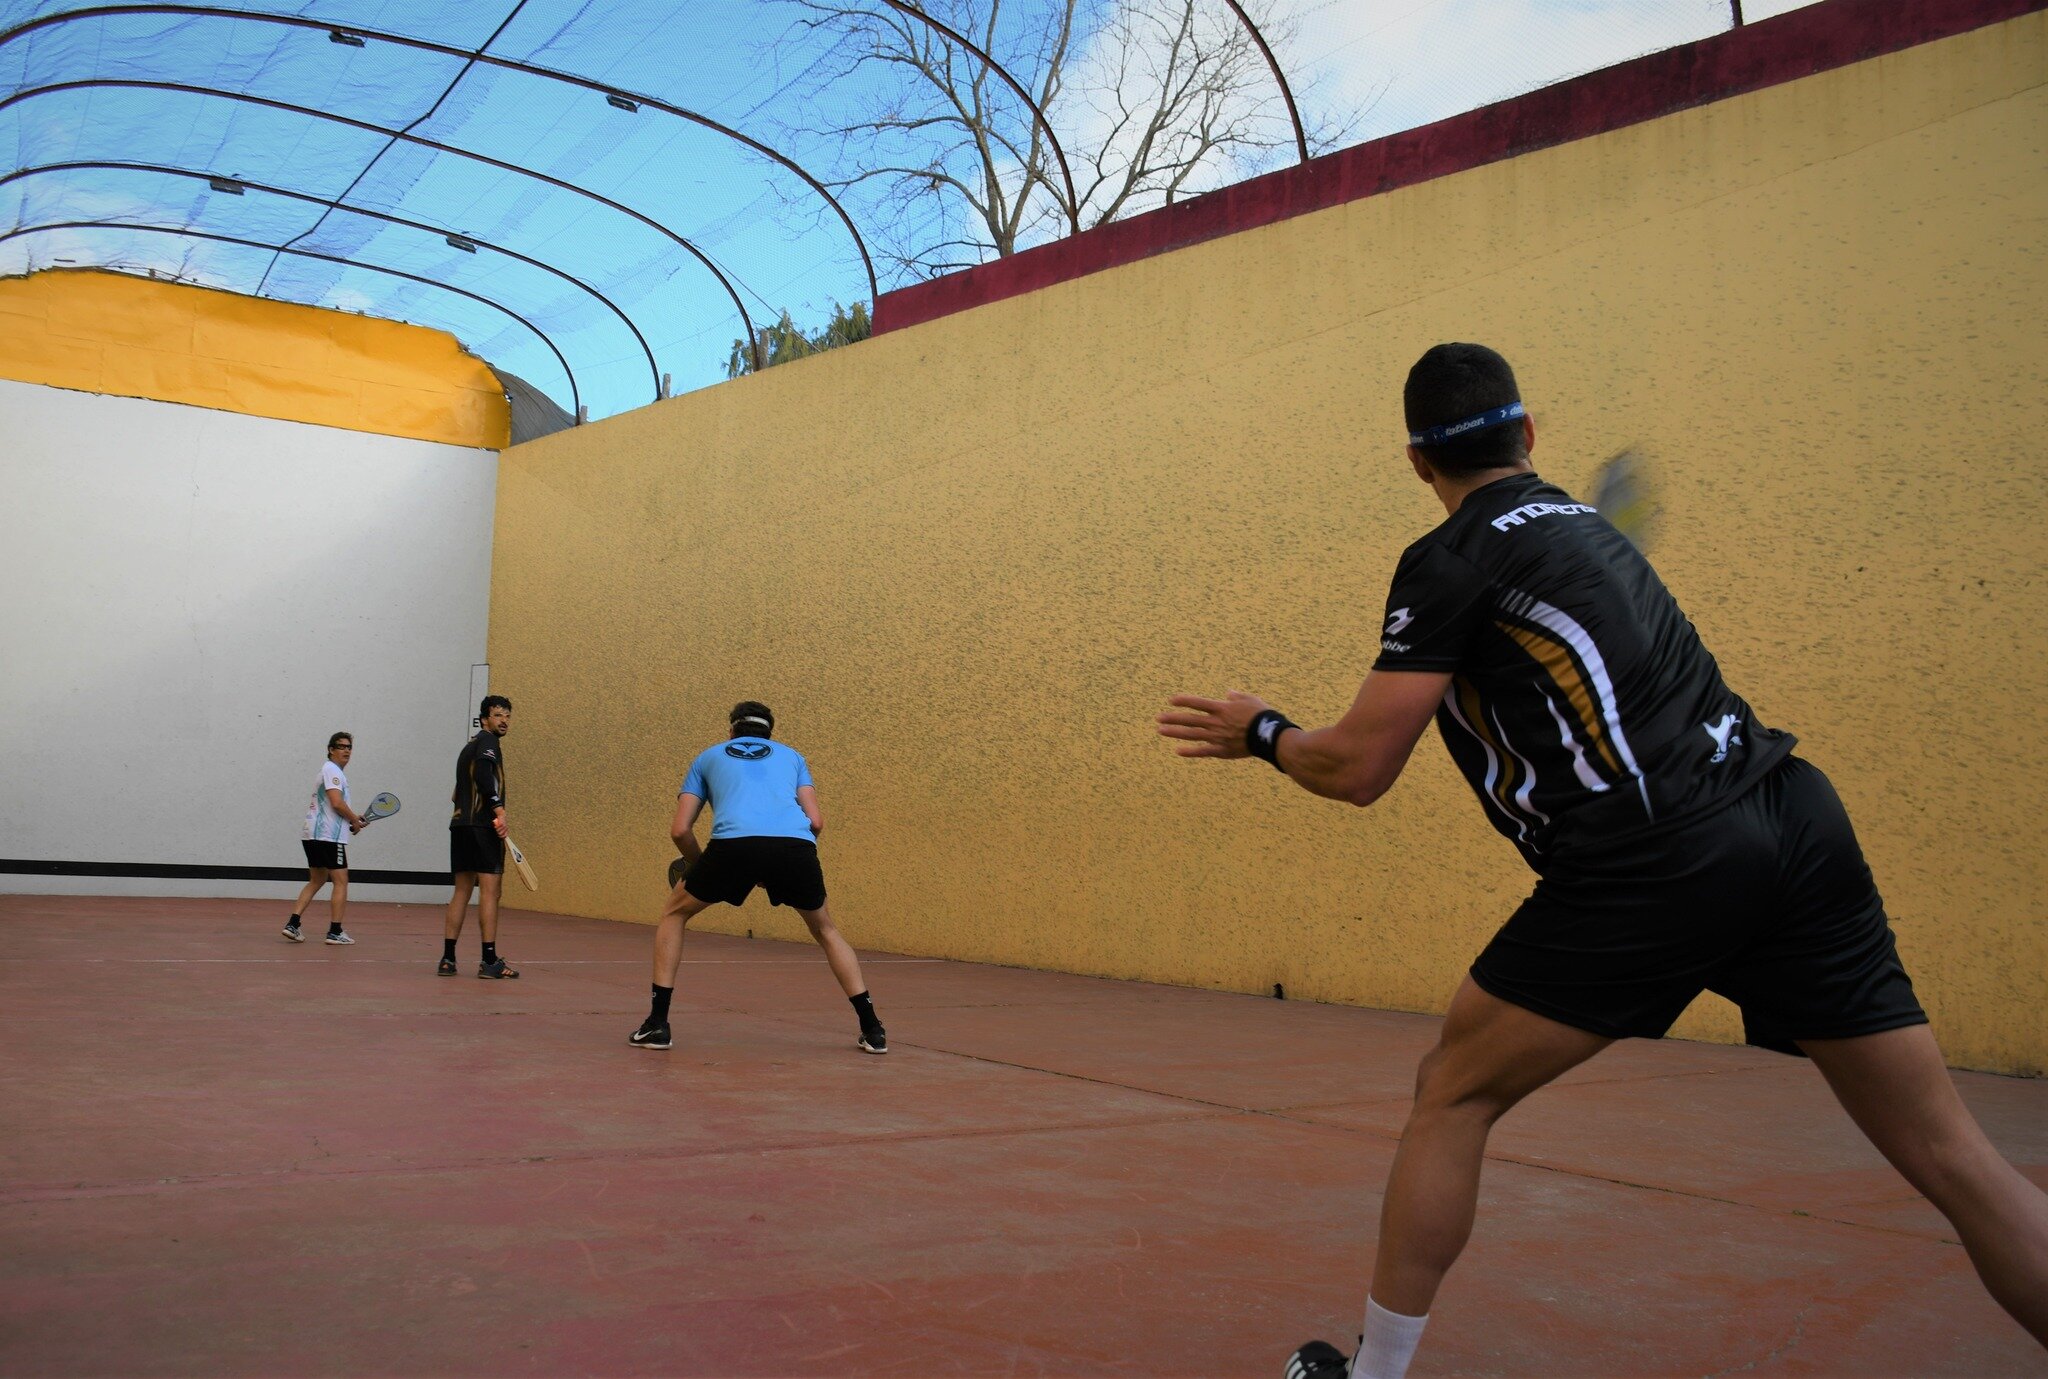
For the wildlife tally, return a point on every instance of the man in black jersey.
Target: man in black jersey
(476, 838)
(1679, 847)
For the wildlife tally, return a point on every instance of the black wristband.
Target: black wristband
(1262, 736)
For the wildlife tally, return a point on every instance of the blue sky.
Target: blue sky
(603, 273)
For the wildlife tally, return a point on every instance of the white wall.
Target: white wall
(192, 600)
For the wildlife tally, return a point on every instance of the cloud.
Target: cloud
(1388, 65)
(1417, 61)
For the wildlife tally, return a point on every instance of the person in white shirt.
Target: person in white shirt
(330, 821)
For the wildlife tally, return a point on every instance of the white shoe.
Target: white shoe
(294, 933)
(339, 938)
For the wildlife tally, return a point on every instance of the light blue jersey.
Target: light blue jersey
(323, 823)
(751, 784)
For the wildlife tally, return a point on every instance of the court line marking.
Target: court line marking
(1203, 1111)
(28, 1194)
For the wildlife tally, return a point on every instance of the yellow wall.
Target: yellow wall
(967, 561)
(135, 337)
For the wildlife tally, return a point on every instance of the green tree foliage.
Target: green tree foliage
(781, 342)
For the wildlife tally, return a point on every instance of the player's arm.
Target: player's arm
(1356, 759)
(356, 822)
(339, 804)
(807, 800)
(683, 831)
(490, 787)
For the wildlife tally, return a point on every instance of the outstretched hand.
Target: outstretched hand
(1211, 727)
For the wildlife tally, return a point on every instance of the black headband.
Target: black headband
(1437, 435)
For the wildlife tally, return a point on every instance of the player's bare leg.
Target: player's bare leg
(1491, 1054)
(676, 914)
(681, 908)
(316, 877)
(489, 886)
(845, 966)
(1896, 1088)
(839, 954)
(458, 905)
(451, 925)
(337, 896)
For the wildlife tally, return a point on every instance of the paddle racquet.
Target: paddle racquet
(1625, 492)
(520, 864)
(382, 807)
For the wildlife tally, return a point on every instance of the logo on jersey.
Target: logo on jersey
(1397, 620)
(1724, 736)
(748, 751)
(1529, 511)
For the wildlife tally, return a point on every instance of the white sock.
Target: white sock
(1389, 1344)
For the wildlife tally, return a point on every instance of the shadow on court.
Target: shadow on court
(224, 1154)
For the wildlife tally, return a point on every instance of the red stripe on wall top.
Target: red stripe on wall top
(1802, 43)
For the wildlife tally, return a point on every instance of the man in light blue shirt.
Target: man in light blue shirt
(765, 826)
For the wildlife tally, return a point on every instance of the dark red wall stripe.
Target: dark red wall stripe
(1831, 34)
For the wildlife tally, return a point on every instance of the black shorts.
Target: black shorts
(480, 850)
(1767, 902)
(786, 868)
(332, 856)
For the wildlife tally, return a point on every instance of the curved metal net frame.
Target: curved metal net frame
(507, 170)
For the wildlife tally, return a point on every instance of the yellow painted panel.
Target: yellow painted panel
(57, 360)
(966, 562)
(251, 337)
(377, 351)
(135, 337)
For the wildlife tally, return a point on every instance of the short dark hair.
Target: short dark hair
(493, 701)
(751, 711)
(1454, 382)
(336, 739)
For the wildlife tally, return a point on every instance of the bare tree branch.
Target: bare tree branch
(1155, 100)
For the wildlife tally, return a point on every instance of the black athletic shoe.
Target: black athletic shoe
(874, 1040)
(1317, 1360)
(294, 933)
(446, 968)
(650, 1036)
(496, 970)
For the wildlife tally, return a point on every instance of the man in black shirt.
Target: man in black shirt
(476, 838)
(1679, 847)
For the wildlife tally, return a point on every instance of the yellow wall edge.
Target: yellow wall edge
(172, 342)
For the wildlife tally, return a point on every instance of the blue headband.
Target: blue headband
(1437, 435)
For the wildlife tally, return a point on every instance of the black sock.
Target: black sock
(294, 923)
(333, 926)
(448, 949)
(659, 1014)
(864, 1006)
(490, 952)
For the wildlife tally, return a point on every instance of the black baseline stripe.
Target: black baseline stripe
(181, 871)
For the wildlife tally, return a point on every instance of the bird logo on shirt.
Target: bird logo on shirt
(747, 751)
(1724, 736)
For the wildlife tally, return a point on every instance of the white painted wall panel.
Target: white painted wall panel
(192, 600)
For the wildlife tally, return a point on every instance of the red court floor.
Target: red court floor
(223, 1154)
